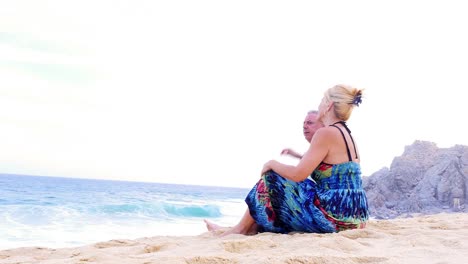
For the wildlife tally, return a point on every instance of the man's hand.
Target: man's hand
(291, 152)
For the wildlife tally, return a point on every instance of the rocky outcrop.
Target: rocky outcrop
(424, 179)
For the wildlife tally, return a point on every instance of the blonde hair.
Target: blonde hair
(344, 98)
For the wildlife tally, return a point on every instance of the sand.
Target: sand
(441, 238)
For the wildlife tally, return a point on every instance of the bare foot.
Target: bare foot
(234, 230)
(212, 226)
(253, 230)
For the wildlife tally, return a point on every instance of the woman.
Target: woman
(323, 192)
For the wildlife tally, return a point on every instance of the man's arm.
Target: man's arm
(291, 153)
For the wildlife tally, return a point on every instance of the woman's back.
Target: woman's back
(342, 148)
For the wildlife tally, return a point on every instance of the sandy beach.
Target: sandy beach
(441, 238)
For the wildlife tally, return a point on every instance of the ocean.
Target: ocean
(68, 212)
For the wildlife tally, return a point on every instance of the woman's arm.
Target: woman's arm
(318, 150)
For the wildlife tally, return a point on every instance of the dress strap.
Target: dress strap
(344, 138)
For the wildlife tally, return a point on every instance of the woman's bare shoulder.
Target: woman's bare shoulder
(326, 130)
(324, 133)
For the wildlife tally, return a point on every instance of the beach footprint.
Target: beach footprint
(154, 248)
(210, 260)
(115, 243)
(241, 246)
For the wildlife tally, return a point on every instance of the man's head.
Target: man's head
(311, 124)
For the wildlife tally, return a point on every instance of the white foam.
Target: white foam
(70, 228)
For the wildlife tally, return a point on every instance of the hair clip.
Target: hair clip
(357, 99)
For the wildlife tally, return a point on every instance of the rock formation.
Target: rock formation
(424, 179)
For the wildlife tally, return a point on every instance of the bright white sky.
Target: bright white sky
(205, 92)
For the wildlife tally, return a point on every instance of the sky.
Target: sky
(206, 92)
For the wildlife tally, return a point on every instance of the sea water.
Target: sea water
(67, 212)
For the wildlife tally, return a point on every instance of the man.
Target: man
(311, 125)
